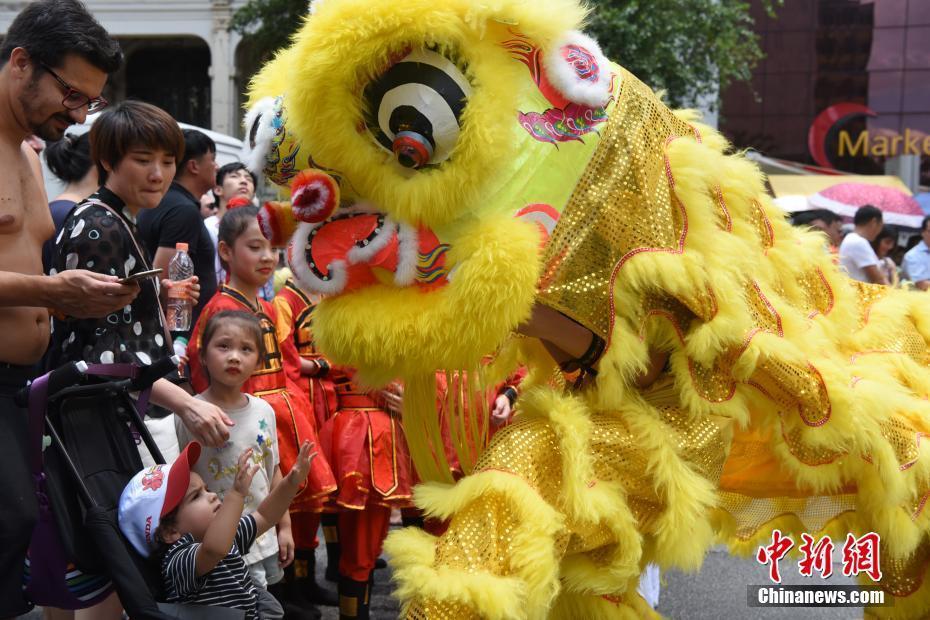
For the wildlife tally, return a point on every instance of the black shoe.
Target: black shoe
(305, 587)
(354, 599)
(292, 611)
(319, 595)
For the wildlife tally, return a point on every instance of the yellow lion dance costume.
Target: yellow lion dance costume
(489, 158)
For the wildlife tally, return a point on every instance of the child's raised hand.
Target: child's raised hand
(301, 467)
(245, 473)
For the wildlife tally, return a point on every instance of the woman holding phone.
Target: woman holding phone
(135, 146)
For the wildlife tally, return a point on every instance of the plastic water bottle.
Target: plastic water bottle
(178, 313)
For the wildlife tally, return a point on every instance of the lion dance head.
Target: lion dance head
(431, 150)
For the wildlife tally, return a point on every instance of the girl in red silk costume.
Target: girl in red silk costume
(249, 260)
(294, 309)
(366, 448)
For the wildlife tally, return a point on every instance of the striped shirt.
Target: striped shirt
(227, 585)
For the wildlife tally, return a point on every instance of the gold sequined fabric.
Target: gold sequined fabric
(674, 311)
(904, 340)
(904, 440)
(618, 457)
(702, 442)
(794, 388)
(818, 294)
(621, 205)
(439, 610)
(811, 456)
(595, 538)
(481, 539)
(903, 576)
(530, 450)
(482, 536)
(702, 303)
(715, 383)
(868, 296)
(763, 225)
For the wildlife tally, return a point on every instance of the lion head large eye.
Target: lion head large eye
(415, 108)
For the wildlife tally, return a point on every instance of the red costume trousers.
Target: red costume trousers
(304, 526)
(362, 534)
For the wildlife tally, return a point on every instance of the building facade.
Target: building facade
(845, 84)
(180, 55)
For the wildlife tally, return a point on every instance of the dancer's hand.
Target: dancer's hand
(393, 397)
(502, 410)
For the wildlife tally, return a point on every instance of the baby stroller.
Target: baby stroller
(77, 553)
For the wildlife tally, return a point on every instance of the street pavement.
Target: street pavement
(717, 591)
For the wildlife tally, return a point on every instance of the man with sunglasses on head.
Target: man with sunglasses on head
(54, 63)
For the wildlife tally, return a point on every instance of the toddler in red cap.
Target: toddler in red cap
(166, 511)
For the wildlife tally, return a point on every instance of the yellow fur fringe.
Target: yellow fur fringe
(630, 606)
(534, 559)
(411, 550)
(583, 498)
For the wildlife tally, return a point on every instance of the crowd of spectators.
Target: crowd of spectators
(872, 251)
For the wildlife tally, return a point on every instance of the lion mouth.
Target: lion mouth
(361, 246)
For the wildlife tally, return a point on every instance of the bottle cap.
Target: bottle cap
(181, 247)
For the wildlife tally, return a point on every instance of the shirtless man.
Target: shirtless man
(54, 63)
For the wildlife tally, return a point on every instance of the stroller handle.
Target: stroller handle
(66, 379)
(69, 374)
(155, 371)
(58, 379)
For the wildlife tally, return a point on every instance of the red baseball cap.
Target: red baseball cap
(151, 494)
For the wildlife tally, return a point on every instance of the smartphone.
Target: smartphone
(142, 275)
